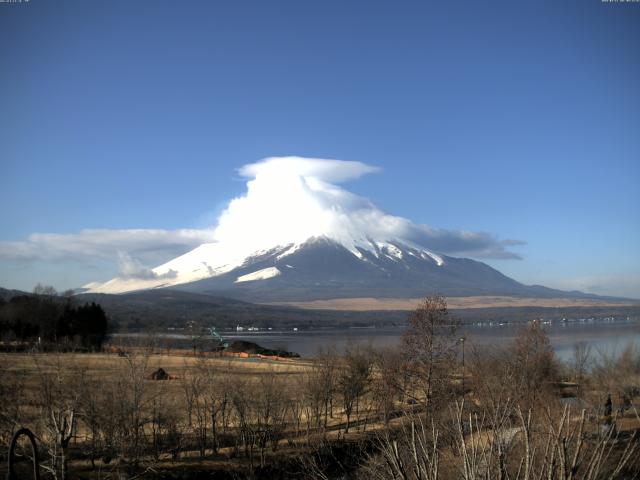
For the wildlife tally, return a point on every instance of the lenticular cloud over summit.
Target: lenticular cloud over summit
(334, 171)
(290, 200)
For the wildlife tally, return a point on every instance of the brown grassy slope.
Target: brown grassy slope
(371, 304)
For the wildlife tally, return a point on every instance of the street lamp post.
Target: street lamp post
(461, 340)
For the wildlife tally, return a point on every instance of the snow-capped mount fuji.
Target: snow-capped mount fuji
(322, 268)
(296, 235)
(220, 266)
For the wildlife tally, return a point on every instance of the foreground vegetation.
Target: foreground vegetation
(416, 412)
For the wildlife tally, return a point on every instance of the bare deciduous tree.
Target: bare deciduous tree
(535, 363)
(520, 447)
(581, 363)
(389, 381)
(59, 405)
(353, 381)
(430, 345)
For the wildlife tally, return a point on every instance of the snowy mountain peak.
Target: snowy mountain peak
(289, 202)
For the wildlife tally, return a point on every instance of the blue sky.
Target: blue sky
(519, 119)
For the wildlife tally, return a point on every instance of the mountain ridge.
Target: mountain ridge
(163, 308)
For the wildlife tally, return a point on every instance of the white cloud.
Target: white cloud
(132, 268)
(332, 171)
(290, 199)
(104, 244)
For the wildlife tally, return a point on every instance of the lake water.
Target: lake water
(604, 336)
(608, 337)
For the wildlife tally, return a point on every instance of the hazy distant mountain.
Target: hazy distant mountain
(6, 294)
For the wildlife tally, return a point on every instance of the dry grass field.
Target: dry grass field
(105, 367)
(261, 418)
(408, 304)
(111, 382)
